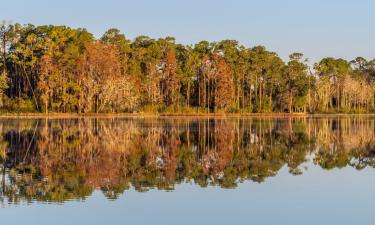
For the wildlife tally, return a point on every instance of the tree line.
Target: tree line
(61, 69)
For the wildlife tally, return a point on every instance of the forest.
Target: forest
(51, 160)
(57, 69)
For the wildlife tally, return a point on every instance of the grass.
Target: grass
(190, 113)
(141, 114)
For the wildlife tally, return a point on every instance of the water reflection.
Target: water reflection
(50, 160)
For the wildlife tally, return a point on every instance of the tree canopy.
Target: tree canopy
(61, 69)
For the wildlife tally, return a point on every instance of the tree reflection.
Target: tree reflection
(54, 160)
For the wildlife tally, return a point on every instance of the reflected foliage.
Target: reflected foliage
(55, 160)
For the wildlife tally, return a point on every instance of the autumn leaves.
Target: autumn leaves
(60, 69)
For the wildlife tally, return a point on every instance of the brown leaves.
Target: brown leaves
(170, 83)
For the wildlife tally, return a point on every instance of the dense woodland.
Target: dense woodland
(61, 69)
(59, 160)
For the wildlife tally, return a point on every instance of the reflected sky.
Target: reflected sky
(324, 191)
(340, 196)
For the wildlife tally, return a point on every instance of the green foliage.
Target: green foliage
(61, 69)
(18, 105)
(262, 105)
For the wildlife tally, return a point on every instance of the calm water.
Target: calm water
(188, 171)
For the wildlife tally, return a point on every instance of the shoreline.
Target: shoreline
(175, 115)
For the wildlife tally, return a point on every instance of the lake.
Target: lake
(254, 170)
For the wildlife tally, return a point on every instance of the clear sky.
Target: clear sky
(318, 28)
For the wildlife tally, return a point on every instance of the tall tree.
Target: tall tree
(99, 67)
(4, 40)
(295, 83)
(223, 84)
(170, 82)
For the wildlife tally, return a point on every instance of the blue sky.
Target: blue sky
(318, 28)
